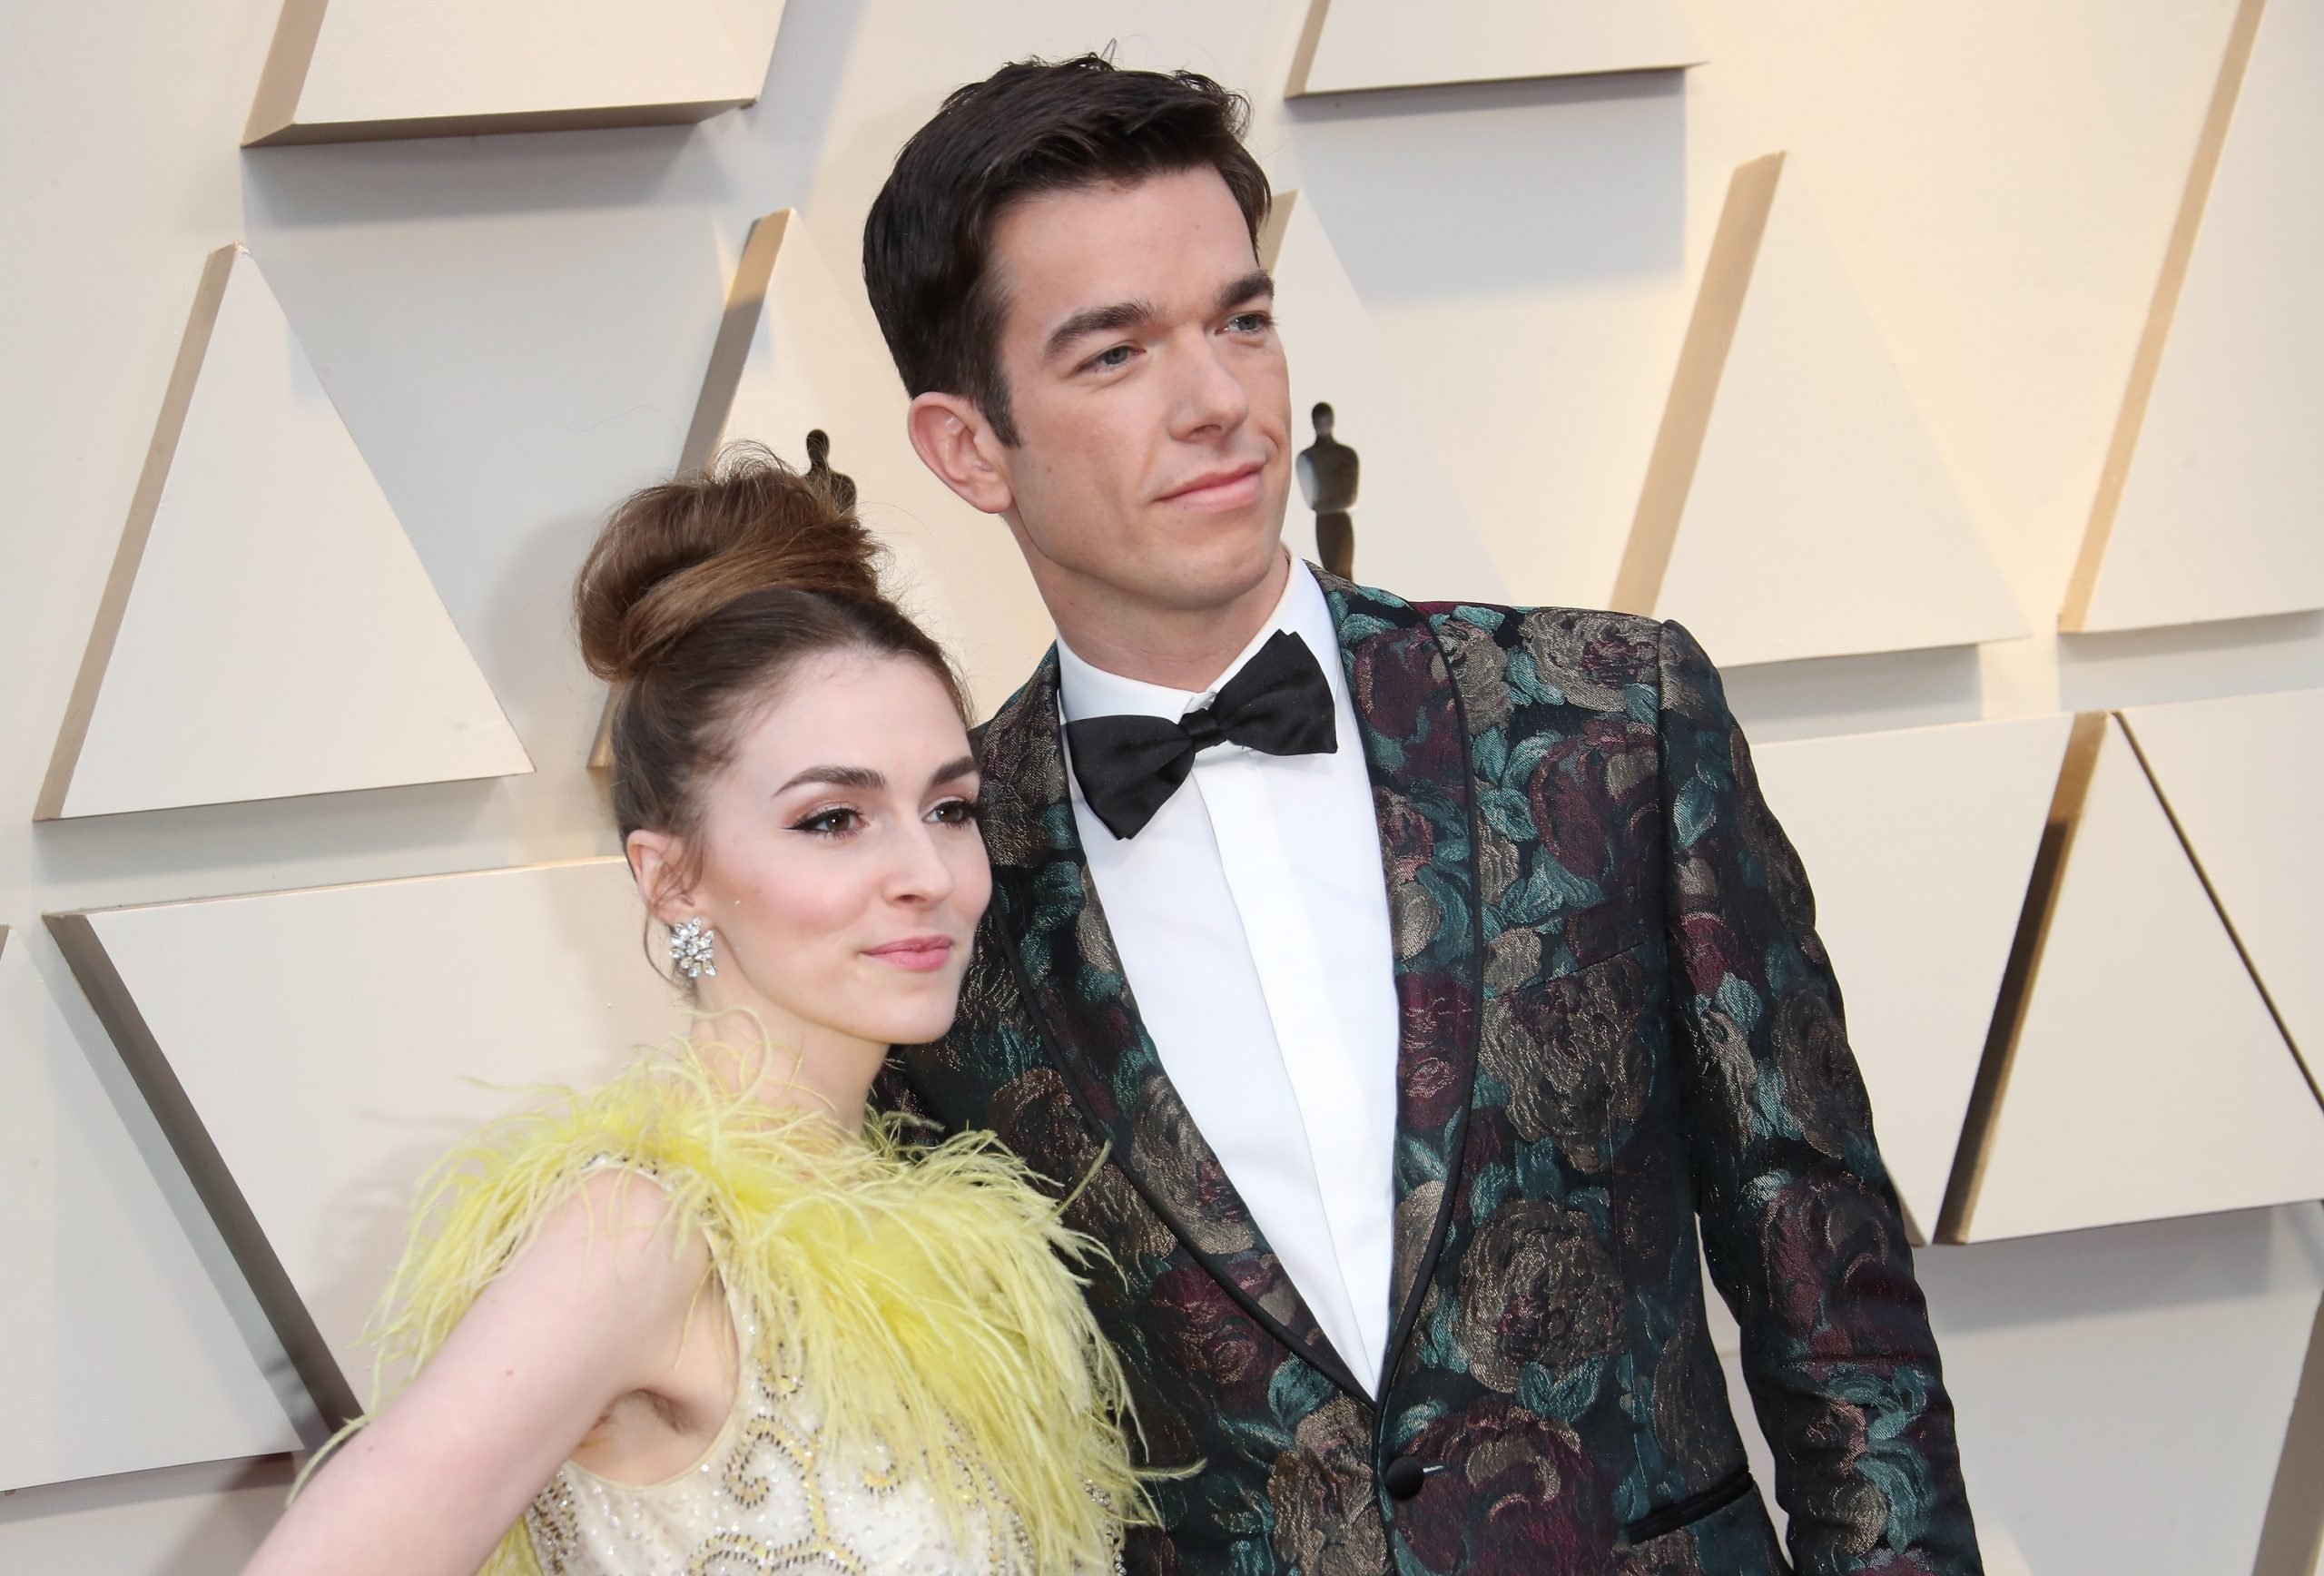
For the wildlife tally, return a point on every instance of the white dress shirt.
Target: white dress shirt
(1252, 918)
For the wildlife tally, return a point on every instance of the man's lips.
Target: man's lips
(1230, 489)
(921, 954)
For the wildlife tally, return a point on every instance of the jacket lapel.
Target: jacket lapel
(1409, 710)
(1053, 934)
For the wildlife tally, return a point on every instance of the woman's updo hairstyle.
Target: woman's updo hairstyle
(700, 598)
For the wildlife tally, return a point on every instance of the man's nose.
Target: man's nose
(1210, 396)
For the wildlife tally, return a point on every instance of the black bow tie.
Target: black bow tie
(1128, 766)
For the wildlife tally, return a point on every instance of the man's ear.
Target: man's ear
(654, 862)
(954, 440)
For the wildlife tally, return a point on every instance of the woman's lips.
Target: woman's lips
(922, 954)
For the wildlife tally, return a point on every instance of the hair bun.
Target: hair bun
(672, 556)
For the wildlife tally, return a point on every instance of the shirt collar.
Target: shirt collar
(1088, 691)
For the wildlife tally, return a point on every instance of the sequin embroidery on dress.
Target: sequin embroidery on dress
(767, 1497)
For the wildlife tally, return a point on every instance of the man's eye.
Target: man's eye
(1250, 323)
(1107, 360)
(836, 823)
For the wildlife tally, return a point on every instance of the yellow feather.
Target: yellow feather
(923, 1292)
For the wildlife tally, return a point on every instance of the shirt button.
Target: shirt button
(1404, 1477)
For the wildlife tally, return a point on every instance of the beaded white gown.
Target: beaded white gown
(923, 1386)
(767, 1497)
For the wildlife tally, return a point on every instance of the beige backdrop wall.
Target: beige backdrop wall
(515, 329)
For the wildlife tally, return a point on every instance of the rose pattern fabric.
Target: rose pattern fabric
(1616, 1022)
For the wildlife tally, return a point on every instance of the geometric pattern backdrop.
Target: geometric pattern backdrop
(355, 70)
(2240, 777)
(2145, 1076)
(1795, 505)
(375, 1024)
(268, 630)
(2088, 1014)
(1336, 359)
(1351, 46)
(2204, 510)
(1955, 813)
(109, 1314)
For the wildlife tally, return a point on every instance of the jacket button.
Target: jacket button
(1404, 1477)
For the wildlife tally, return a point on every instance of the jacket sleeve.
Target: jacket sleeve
(1801, 1227)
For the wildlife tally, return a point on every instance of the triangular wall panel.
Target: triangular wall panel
(373, 1025)
(354, 70)
(2145, 1078)
(1960, 807)
(790, 360)
(1354, 46)
(268, 630)
(2206, 509)
(1795, 505)
(2242, 778)
(119, 1354)
(1413, 533)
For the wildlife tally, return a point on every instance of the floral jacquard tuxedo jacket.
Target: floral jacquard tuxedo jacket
(1616, 1019)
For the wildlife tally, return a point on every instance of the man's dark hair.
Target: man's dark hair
(1030, 127)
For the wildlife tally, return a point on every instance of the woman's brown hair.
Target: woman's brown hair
(700, 598)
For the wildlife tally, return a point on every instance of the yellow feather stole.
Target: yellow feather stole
(923, 1292)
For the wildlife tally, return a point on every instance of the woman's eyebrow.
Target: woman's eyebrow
(870, 780)
(861, 777)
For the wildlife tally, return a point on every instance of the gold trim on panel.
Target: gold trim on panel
(2018, 976)
(2291, 1536)
(2226, 919)
(276, 106)
(1303, 60)
(731, 351)
(1277, 224)
(1694, 387)
(601, 748)
(205, 1167)
(2147, 361)
(721, 381)
(143, 505)
(596, 118)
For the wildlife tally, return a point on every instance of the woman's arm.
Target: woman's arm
(594, 1309)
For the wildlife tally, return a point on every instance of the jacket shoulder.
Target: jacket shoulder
(1581, 655)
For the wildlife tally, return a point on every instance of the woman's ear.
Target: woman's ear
(654, 862)
(954, 440)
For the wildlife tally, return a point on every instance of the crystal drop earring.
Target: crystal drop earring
(691, 945)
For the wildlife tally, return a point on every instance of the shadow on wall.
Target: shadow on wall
(2189, 662)
(384, 182)
(1483, 188)
(1844, 695)
(204, 1518)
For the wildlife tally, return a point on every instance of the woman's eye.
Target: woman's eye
(954, 812)
(836, 822)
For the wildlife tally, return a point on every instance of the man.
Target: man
(1403, 980)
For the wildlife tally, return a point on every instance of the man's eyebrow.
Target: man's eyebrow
(966, 766)
(1250, 287)
(863, 777)
(1112, 319)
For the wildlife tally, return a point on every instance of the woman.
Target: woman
(730, 1324)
